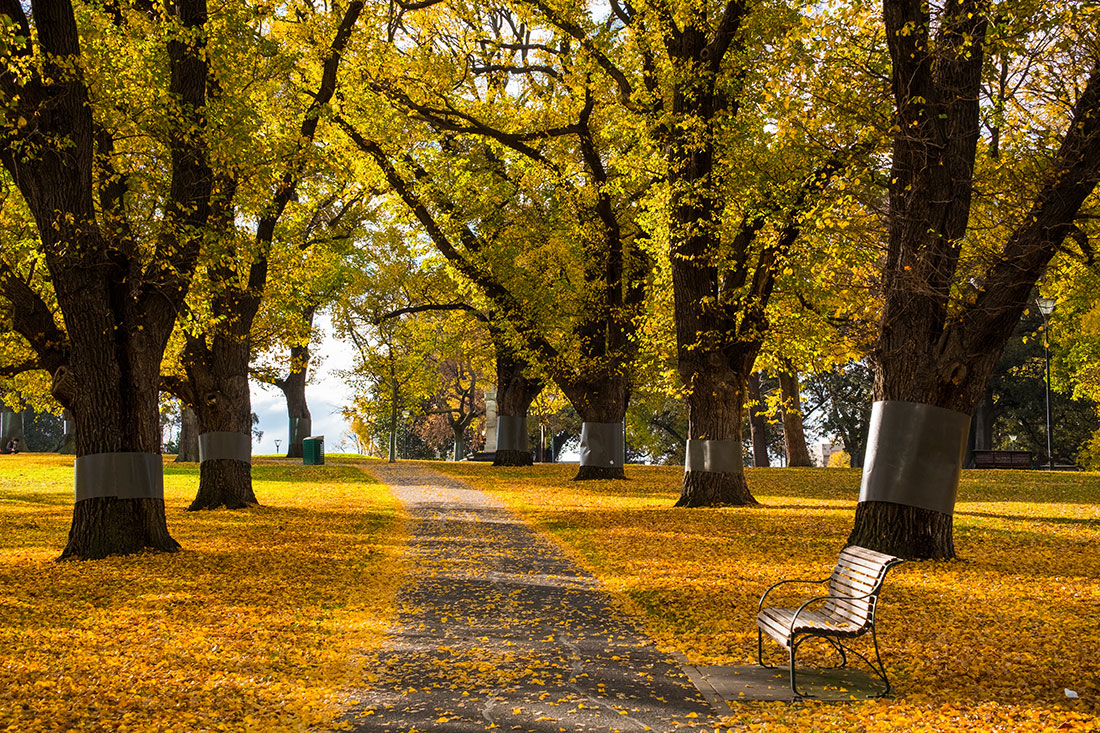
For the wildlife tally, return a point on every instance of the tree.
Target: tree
(78, 164)
(953, 292)
(488, 181)
(314, 264)
(746, 161)
(218, 349)
(794, 438)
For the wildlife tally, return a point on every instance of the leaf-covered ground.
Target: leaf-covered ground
(989, 642)
(259, 624)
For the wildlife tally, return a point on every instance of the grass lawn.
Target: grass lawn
(258, 624)
(988, 642)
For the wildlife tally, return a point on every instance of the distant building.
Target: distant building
(823, 451)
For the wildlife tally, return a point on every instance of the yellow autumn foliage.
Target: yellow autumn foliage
(989, 642)
(260, 623)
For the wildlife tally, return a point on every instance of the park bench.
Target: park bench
(1002, 459)
(847, 611)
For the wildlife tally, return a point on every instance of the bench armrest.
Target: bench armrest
(801, 608)
(760, 607)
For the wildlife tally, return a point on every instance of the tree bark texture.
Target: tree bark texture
(758, 423)
(224, 483)
(217, 375)
(188, 450)
(515, 392)
(794, 437)
(715, 404)
(933, 350)
(904, 531)
(119, 302)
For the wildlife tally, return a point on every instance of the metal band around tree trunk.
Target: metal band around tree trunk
(511, 432)
(215, 446)
(914, 455)
(713, 456)
(602, 444)
(121, 475)
(300, 428)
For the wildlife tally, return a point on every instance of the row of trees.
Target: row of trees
(680, 191)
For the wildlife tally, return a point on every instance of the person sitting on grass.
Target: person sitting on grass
(12, 446)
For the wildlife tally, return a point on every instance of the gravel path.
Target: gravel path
(497, 629)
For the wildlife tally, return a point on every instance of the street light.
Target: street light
(1046, 307)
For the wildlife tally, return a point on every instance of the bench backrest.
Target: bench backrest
(858, 572)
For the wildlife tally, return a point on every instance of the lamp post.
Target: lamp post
(1046, 307)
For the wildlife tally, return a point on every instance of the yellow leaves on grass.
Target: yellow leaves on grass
(990, 642)
(257, 625)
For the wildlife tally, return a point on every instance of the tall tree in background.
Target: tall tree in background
(953, 294)
(217, 353)
(746, 161)
(73, 156)
(548, 232)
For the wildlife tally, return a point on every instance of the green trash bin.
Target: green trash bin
(313, 450)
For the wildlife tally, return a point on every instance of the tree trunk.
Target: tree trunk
(602, 407)
(219, 395)
(11, 428)
(758, 423)
(393, 425)
(294, 390)
(904, 531)
(188, 450)
(459, 448)
(715, 406)
(68, 439)
(120, 417)
(224, 483)
(933, 350)
(794, 437)
(515, 392)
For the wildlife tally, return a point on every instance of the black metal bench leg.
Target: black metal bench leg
(794, 686)
(881, 666)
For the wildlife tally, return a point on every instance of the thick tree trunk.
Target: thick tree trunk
(794, 437)
(188, 450)
(904, 531)
(933, 350)
(515, 392)
(758, 423)
(218, 376)
(119, 417)
(715, 405)
(602, 407)
(224, 483)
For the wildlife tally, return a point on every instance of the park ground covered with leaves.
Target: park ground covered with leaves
(258, 624)
(991, 641)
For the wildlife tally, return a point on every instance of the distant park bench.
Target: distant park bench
(848, 611)
(1002, 459)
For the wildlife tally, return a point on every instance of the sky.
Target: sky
(326, 394)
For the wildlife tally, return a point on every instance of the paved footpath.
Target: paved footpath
(498, 630)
